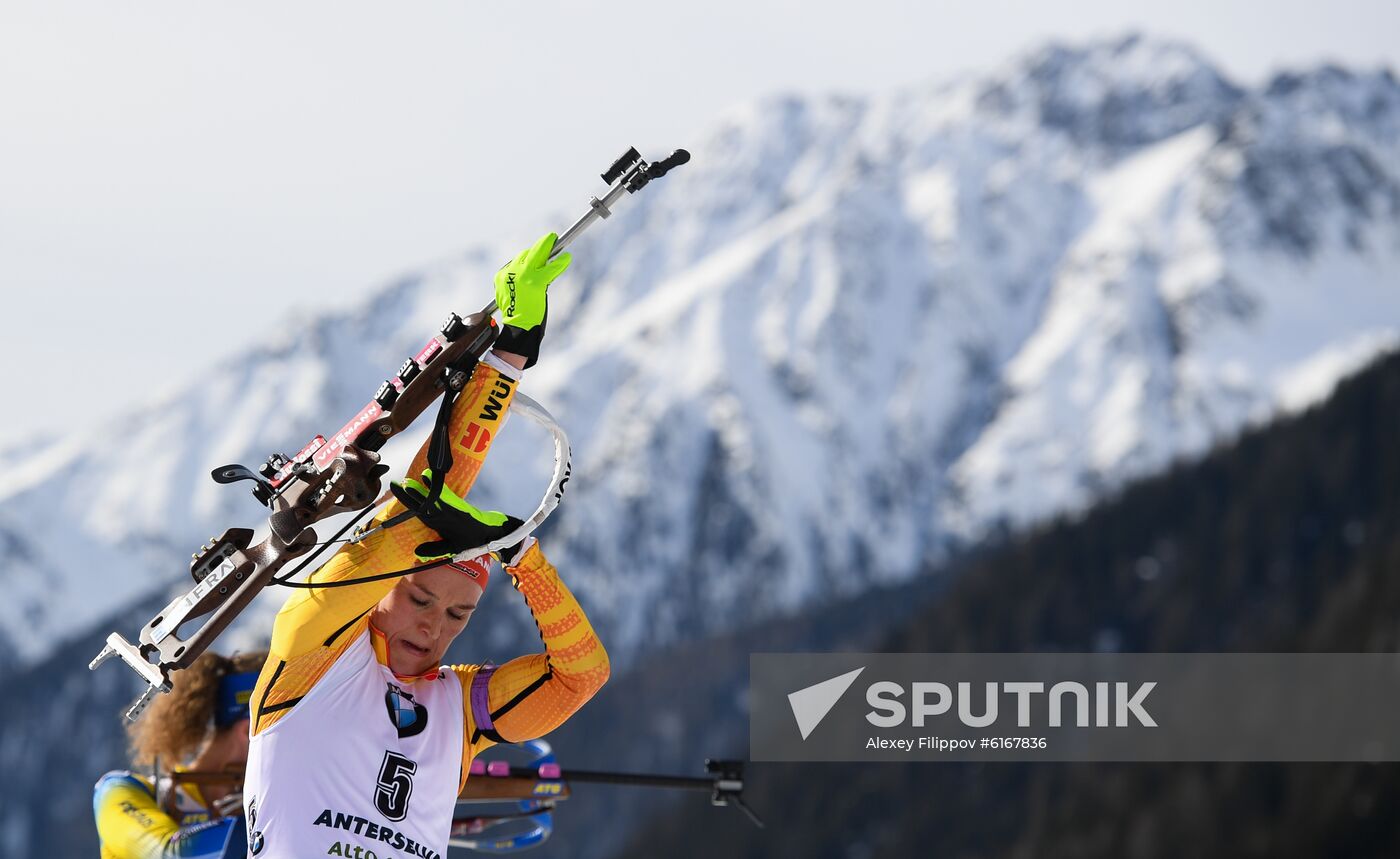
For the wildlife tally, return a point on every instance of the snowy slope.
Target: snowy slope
(849, 335)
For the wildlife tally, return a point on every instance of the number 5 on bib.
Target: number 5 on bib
(395, 786)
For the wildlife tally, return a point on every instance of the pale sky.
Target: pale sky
(165, 164)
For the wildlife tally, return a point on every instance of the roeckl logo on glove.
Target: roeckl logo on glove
(510, 282)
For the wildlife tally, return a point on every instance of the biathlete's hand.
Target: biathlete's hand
(521, 288)
(459, 524)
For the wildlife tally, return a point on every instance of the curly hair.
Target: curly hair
(178, 723)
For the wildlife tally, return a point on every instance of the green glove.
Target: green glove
(522, 282)
(521, 285)
(460, 524)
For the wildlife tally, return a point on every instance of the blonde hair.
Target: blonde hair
(177, 724)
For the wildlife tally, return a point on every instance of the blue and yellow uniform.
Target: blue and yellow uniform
(134, 823)
(141, 817)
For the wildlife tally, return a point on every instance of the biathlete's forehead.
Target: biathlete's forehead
(445, 585)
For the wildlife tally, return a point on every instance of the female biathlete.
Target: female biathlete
(361, 742)
(202, 726)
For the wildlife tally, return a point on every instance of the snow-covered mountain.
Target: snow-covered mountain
(851, 334)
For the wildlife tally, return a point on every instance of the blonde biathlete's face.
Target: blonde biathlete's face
(421, 615)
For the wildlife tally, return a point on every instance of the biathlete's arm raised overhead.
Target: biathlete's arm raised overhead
(359, 738)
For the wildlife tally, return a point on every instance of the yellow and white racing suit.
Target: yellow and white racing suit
(349, 759)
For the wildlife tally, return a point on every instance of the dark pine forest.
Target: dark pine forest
(1287, 539)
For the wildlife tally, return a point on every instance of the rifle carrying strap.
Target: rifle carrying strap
(439, 443)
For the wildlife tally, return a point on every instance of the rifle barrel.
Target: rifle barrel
(639, 779)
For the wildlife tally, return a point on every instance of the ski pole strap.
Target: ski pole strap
(481, 698)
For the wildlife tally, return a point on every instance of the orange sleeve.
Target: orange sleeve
(315, 626)
(530, 696)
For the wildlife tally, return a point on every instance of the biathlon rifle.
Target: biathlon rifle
(537, 786)
(532, 791)
(341, 474)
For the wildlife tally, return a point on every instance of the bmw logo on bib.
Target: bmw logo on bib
(255, 836)
(407, 715)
